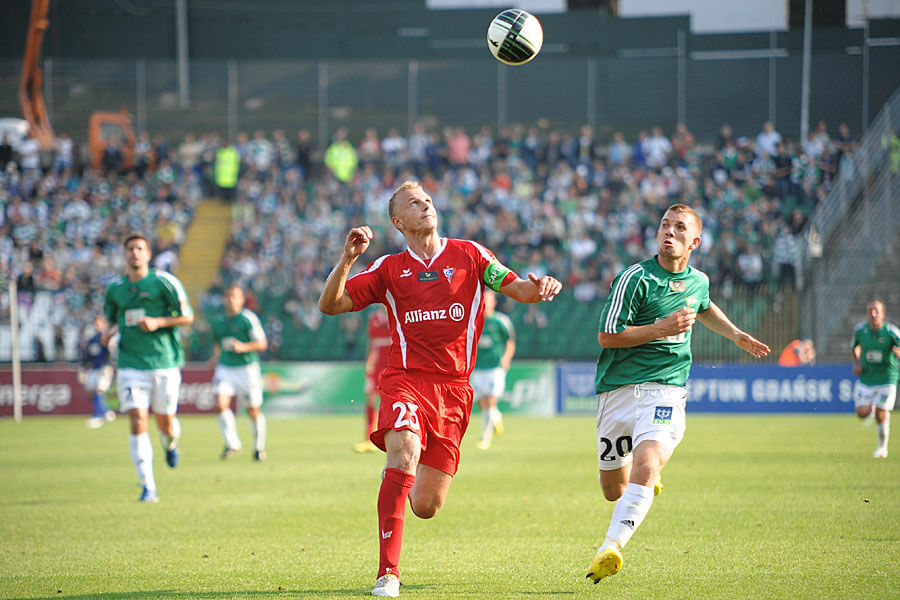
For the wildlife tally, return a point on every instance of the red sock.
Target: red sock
(370, 421)
(391, 512)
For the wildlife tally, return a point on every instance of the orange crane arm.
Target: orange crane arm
(31, 98)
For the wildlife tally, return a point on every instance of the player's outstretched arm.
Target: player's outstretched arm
(718, 321)
(334, 300)
(532, 290)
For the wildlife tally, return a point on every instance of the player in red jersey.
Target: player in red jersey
(379, 334)
(433, 292)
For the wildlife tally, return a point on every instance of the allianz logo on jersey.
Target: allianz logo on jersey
(456, 312)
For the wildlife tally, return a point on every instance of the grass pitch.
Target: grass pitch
(754, 507)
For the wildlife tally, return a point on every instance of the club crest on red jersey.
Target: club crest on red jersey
(448, 273)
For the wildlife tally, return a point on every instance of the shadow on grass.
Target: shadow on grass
(186, 595)
(286, 593)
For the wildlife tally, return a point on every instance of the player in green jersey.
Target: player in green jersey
(239, 337)
(496, 347)
(874, 351)
(645, 335)
(146, 306)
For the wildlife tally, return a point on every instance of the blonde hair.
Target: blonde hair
(406, 185)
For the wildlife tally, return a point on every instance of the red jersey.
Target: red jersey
(379, 333)
(435, 308)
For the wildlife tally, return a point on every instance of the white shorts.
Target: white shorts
(488, 382)
(98, 380)
(156, 389)
(879, 396)
(632, 414)
(244, 382)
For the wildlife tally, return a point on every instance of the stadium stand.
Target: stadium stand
(544, 201)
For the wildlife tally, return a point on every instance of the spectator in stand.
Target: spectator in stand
(6, 152)
(418, 143)
(393, 149)
(262, 153)
(369, 149)
(143, 154)
(25, 282)
(657, 149)
(639, 152)
(619, 150)
(188, 154)
(798, 353)
(284, 156)
(844, 143)
(64, 152)
(785, 256)
(530, 148)
(303, 152)
(160, 148)
(29, 155)
(682, 143)
(435, 154)
(341, 158)
(724, 136)
(783, 164)
(768, 139)
(586, 146)
(458, 147)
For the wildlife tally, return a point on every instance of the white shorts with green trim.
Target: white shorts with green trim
(632, 414)
(244, 382)
(156, 389)
(488, 382)
(879, 396)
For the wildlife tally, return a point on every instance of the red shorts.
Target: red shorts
(435, 407)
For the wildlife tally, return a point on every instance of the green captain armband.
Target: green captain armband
(494, 275)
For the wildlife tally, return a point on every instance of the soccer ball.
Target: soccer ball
(515, 37)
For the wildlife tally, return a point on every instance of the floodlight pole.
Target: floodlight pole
(181, 50)
(804, 90)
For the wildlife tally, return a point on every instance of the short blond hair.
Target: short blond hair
(406, 185)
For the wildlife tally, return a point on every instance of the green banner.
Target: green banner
(336, 387)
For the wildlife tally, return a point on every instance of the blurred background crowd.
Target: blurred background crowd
(580, 205)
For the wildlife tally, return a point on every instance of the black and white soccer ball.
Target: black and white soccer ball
(515, 36)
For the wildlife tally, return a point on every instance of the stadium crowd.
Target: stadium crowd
(61, 229)
(544, 201)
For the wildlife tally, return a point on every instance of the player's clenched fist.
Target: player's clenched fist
(357, 241)
(679, 321)
(548, 287)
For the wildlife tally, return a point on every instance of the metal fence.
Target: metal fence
(853, 231)
(635, 89)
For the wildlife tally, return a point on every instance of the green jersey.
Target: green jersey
(243, 327)
(640, 295)
(498, 330)
(158, 294)
(877, 358)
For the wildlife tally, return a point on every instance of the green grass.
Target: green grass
(754, 507)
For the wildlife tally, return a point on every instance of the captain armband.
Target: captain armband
(494, 275)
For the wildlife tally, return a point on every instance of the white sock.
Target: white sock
(170, 441)
(141, 451)
(495, 415)
(628, 514)
(258, 427)
(229, 429)
(884, 432)
(487, 425)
